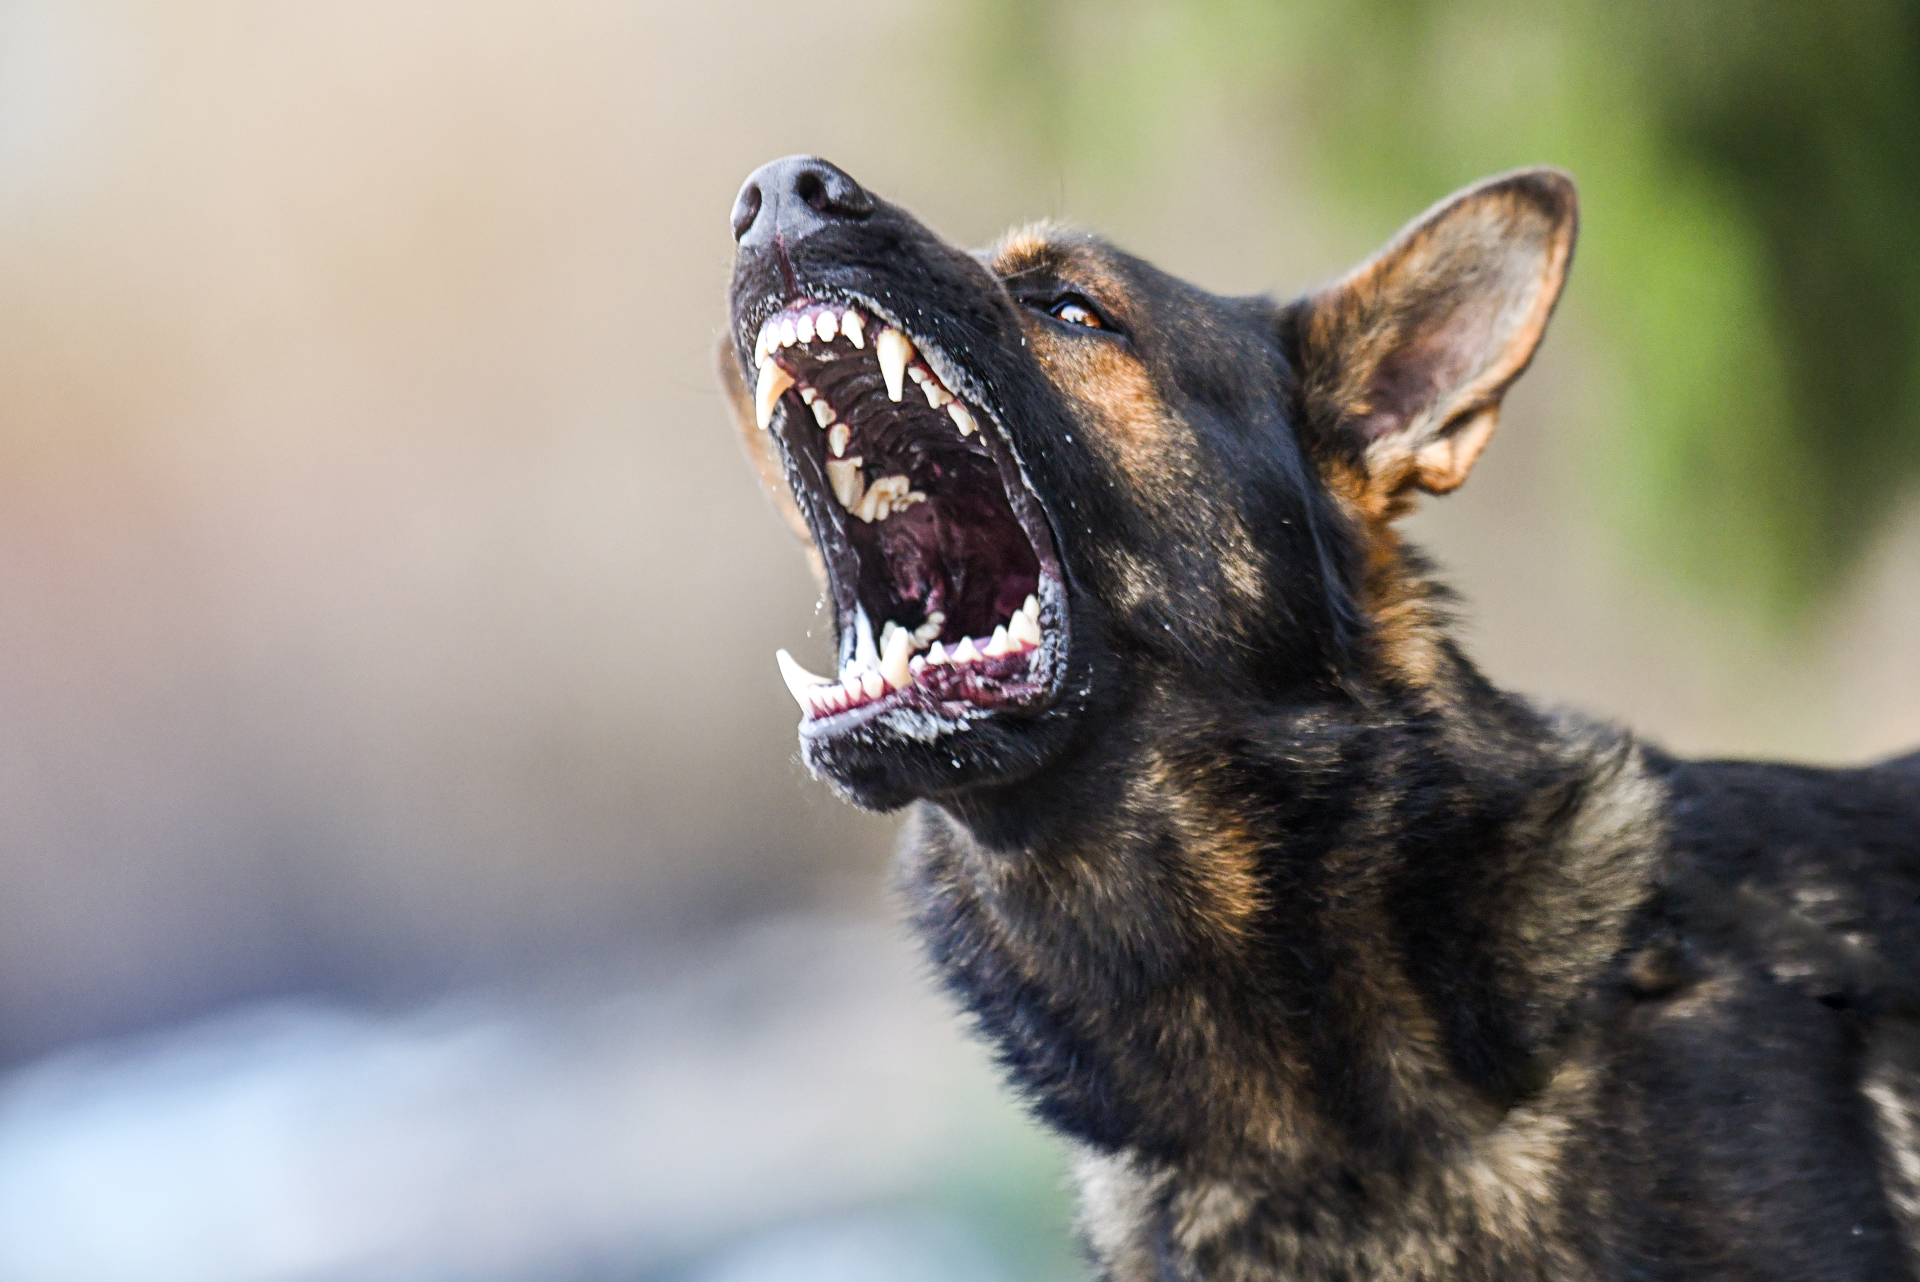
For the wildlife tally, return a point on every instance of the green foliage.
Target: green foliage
(1750, 251)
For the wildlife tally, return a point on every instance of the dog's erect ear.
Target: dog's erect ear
(763, 452)
(1403, 363)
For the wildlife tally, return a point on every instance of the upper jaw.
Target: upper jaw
(897, 455)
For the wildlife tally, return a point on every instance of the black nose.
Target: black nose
(794, 198)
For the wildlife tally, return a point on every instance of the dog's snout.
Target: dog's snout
(795, 197)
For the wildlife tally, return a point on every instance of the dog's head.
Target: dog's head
(1046, 480)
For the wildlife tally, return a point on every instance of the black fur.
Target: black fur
(1339, 962)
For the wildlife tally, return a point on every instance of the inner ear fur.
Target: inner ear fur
(763, 452)
(1402, 364)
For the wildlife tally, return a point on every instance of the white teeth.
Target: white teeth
(822, 412)
(848, 485)
(937, 654)
(930, 630)
(998, 644)
(934, 393)
(760, 355)
(918, 373)
(1031, 607)
(966, 651)
(773, 382)
(827, 325)
(799, 681)
(1024, 628)
(837, 437)
(886, 496)
(803, 328)
(873, 683)
(851, 325)
(961, 418)
(894, 350)
(893, 660)
(916, 665)
(808, 396)
(789, 332)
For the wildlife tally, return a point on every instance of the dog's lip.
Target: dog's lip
(1030, 510)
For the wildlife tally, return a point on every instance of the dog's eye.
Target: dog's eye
(1074, 310)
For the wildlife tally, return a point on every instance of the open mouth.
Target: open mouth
(946, 588)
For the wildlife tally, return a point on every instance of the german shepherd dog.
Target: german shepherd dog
(1335, 961)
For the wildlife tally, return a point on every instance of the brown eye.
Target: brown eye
(1074, 311)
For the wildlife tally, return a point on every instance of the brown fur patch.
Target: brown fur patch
(764, 456)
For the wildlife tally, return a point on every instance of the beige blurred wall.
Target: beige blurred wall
(384, 606)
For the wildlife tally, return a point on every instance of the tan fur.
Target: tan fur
(759, 446)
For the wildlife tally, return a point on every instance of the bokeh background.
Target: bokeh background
(404, 872)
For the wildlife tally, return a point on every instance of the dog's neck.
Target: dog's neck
(1269, 944)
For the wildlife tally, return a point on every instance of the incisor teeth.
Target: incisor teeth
(893, 660)
(894, 350)
(1024, 628)
(803, 329)
(827, 326)
(822, 412)
(853, 326)
(808, 396)
(789, 332)
(848, 485)
(961, 418)
(837, 437)
(773, 382)
(799, 681)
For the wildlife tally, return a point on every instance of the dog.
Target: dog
(1333, 960)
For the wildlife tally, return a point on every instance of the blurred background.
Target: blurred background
(404, 871)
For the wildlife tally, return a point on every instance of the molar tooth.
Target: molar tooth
(803, 328)
(837, 437)
(928, 631)
(966, 651)
(800, 683)
(827, 324)
(998, 644)
(936, 655)
(852, 325)
(822, 412)
(848, 484)
(1023, 628)
(869, 509)
(961, 418)
(893, 660)
(773, 381)
(894, 351)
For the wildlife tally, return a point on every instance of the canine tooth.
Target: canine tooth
(826, 325)
(873, 683)
(966, 651)
(789, 332)
(760, 354)
(837, 437)
(894, 351)
(936, 655)
(864, 655)
(800, 683)
(773, 382)
(1023, 628)
(852, 326)
(848, 485)
(893, 659)
(803, 329)
(822, 412)
(998, 644)
(961, 418)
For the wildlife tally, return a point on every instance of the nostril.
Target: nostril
(745, 209)
(812, 189)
